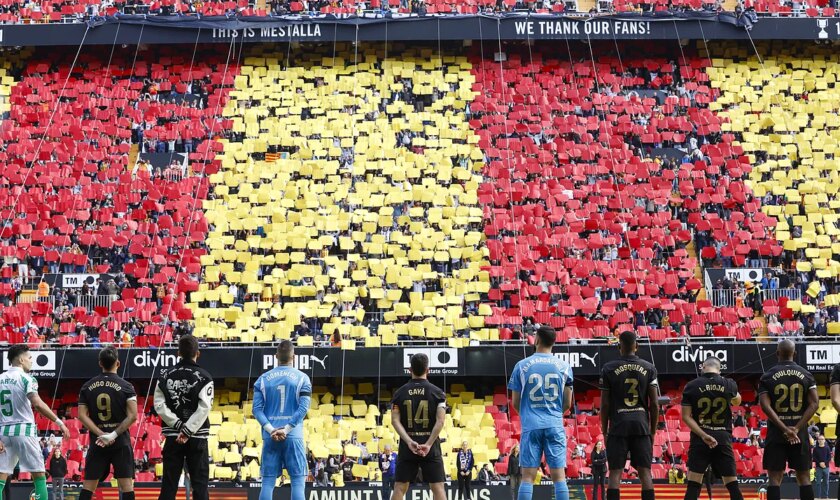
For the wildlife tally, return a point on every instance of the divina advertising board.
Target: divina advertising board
(496, 360)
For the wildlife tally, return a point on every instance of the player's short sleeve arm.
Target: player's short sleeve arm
(168, 416)
(83, 401)
(569, 377)
(604, 381)
(396, 399)
(687, 397)
(653, 376)
(30, 385)
(763, 385)
(205, 403)
(258, 408)
(440, 399)
(129, 391)
(812, 382)
(515, 383)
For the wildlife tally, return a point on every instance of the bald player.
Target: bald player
(707, 410)
(788, 395)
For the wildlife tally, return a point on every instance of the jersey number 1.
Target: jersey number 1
(282, 389)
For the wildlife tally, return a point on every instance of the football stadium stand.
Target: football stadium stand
(361, 217)
(427, 197)
(74, 204)
(788, 131)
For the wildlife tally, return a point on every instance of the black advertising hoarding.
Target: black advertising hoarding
(578, 489)
(494, 360)
(133, 30)
(744, 274)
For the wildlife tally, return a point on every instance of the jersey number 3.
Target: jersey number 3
(632, 391)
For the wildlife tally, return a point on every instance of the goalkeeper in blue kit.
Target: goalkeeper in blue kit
(281, 400)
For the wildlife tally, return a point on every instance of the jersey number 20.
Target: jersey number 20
(790, 398)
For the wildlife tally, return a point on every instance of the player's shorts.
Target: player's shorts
(721, 457)
(99, 460)
(778, 456)
(535, 443)
(408, 464)
(289, 454)
(23, 450)
(639, 446)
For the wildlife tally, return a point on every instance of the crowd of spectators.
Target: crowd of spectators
(123, 232)
(44, 11)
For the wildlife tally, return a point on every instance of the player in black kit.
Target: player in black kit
(707, 412)
(788, 395)
(834, 381)
(418, 410)
(629, 414)
(107, 408)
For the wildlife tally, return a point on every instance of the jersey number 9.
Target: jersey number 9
(103, 403)
(547, 388)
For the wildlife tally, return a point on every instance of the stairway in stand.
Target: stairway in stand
(698, 271)
(133, 154)
(762, 336)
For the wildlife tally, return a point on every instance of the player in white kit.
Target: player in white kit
(18, 432)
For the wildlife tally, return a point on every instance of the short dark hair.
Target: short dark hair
(627, 339)
(547, 335)
(15, 351)
(712, 361)
(108, 357)
(285, 351)
(419, 364)
(188, 347)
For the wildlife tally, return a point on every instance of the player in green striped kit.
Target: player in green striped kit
(18, 432)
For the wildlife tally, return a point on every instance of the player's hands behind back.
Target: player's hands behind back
(107, 439)
(710, 441)
(792, 435)
(418, 449)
